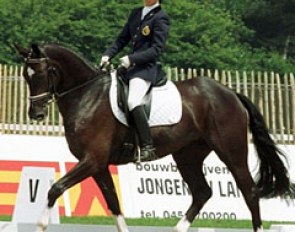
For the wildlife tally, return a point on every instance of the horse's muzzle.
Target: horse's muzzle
(37, 113)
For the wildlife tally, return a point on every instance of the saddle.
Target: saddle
(123, 90)
(165, 108)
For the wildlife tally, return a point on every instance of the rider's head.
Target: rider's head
(151, 2)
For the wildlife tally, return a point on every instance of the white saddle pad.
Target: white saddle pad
(166, 108)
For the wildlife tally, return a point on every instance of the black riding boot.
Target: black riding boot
(147, 150)
(128, 147)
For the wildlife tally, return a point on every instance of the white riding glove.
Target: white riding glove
(125, 62)
(105, 60)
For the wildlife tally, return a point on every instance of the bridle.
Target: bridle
(48, 95)
(52, 94)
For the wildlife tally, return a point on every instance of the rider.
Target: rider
(147, 29)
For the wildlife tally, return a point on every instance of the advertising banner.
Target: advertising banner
(153, 189)
(156, 189)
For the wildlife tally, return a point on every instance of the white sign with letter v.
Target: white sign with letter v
(32, 195)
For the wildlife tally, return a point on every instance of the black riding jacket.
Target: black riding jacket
(147, 37)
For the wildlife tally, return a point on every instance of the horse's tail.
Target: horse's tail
(273, 179)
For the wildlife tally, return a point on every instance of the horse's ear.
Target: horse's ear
(36, 49)
(22, 51)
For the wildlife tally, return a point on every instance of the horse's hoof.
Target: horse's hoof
(41, 228)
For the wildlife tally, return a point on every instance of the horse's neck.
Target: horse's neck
(75, 74)
(73, 69)
(78, 100)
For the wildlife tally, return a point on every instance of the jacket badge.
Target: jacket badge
(146, 30)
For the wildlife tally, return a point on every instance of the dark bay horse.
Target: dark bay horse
(214, 118)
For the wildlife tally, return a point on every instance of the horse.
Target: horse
(214, 118)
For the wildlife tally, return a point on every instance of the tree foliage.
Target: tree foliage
(273, 22)
(216, 34)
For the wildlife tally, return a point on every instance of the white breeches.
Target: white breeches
(137, 92)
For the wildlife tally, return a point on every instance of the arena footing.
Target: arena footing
(24, 227)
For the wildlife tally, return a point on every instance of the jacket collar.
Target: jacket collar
(152, 12)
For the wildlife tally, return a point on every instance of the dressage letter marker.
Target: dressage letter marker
(32, 195)
(33, 190)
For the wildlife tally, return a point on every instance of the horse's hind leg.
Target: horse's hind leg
(189, 162)
(239, 169)
(105, 182)
(231, 146)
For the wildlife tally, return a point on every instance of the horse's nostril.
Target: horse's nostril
(40, 117)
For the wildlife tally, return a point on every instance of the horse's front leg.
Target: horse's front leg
(105, 182)
(82, 170)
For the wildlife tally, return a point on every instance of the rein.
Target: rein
(57, 95)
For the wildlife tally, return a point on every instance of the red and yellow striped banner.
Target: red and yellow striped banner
(85, 198)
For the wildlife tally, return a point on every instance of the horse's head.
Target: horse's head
(38, 72)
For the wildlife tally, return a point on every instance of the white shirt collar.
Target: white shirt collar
(147, 9)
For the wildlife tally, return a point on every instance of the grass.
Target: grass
(159, 222)
(92, 220)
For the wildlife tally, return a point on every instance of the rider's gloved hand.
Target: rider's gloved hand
(125, 62)
(105, 60)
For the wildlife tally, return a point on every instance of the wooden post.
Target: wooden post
(292, 84)
(15, 100)
(182, 74)
(9, 99)
(245, 84)
(176, 74)
(229, 79)
(28, 120)
(189, 73)
(216, 75)
(280, 109)
(195, 73)
(60, 125)
(265, 100)
(44, 126)
(209, 74)
(53, 118)
(238, 82)
(4, 96)
(287, 109)
(34, 128)
(22, 103)
(260, 94)
(169, 73)
(1, 97)
(273, 105)
(202, 72)
(223, 77)
(252, 86)
(39, 128)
